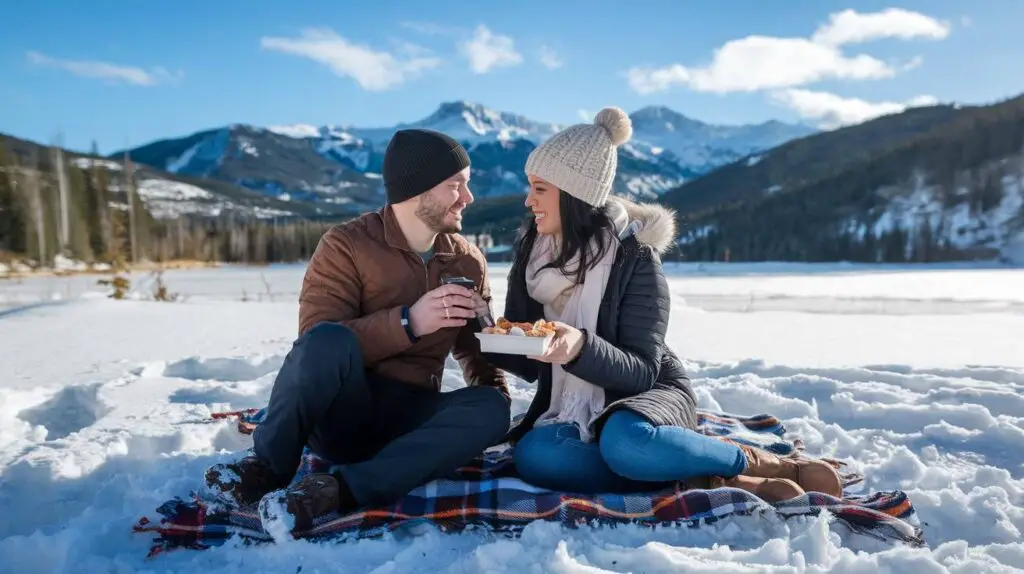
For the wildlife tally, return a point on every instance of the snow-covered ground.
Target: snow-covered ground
(914, 375)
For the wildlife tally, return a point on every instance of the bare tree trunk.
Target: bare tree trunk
(167, 243)
(62, 185)
(129, 182)
(181, 238)
(305, 239)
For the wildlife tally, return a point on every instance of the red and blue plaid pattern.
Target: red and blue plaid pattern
(487, 493)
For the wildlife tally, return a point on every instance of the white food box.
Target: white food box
(513, 344)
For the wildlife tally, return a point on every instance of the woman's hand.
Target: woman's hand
(481, 307)
(564, 347)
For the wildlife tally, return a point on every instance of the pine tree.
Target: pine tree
(79, 238)
(13, 219)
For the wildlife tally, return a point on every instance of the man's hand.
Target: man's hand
(564, 347)
(446, 306)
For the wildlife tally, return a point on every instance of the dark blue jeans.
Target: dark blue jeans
(385, 437)
(632, 455)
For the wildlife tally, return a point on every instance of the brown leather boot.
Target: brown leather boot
(316, 495)
(770, 490)
(245, 480)
(812, 475)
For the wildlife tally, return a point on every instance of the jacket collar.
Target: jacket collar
(444, 244)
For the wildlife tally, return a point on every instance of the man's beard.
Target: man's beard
(432, 213)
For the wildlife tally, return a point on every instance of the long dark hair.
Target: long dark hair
(582, 232)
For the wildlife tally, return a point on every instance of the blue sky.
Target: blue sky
(125, 73)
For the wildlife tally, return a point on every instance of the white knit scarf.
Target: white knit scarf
(573, 400)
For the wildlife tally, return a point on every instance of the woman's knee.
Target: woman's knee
(623, 444)
(552, 456)
(535, 454)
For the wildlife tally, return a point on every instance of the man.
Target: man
(361, 385)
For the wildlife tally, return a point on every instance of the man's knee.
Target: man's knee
(328, 336)
(325, 352)
(492, 411)
(327, 342)
(493, 400)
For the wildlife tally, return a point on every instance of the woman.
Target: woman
(614, 410)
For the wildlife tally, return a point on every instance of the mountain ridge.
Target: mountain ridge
(336, 163)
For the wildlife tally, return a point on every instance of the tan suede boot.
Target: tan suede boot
(813, 475)
(770, 490)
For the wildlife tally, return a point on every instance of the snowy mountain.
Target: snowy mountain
(699, 144)
(282, 167)
(341, 163)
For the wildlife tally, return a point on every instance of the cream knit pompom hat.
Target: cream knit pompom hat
(581, 159)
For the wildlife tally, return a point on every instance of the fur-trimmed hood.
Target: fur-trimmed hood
(652, 224)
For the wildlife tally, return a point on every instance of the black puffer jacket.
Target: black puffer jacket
(627, 356)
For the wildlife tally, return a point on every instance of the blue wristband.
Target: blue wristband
(407, 325)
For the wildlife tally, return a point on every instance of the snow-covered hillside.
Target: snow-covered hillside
(168, 199)
(984, 223)
(101, 423)
(989, 217)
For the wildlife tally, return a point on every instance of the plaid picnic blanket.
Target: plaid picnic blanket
(487, 493)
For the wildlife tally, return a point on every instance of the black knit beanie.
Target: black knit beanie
(416, 160)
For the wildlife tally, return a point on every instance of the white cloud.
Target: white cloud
(487, 50)
(549, 58)
(758, 63)
(585, 115)
(374, 70)
(107, 71)
(831, 110)
(850, 27)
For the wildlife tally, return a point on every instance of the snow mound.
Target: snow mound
(69, 411)
(223, 369)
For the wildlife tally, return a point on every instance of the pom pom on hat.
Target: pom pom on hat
(616, 122)
(582, 159)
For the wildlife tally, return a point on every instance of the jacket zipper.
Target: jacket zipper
(434, 379)
(426, 288)
(426, 275)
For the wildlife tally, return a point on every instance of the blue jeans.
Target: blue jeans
(632, 455)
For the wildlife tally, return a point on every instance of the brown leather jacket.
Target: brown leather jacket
(361, 275)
